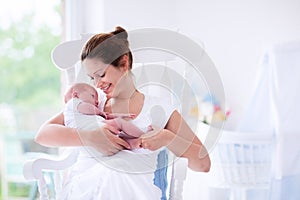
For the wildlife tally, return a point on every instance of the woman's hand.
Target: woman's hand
(156, 138)
(53, 133)
(104, 140)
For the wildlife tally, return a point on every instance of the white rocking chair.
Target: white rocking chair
(65, 56)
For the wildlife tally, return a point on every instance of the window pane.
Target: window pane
(30, 88)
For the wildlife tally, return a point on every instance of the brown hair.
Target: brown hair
(108, 47)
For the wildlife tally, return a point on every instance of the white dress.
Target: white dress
(127, 175)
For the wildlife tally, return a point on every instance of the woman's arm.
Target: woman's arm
(180, 139)
(53, 133)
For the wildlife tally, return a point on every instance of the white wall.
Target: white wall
(234, 33)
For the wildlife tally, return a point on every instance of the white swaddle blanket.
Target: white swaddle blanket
(125, 175)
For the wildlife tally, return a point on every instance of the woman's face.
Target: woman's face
(106, 77)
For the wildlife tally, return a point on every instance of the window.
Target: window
(30, 88)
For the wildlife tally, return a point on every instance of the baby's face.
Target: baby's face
(89, 95)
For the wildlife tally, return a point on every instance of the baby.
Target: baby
(82, 112)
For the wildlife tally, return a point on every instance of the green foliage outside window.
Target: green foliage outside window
(28, 77)
(29, 83)
(30, 86)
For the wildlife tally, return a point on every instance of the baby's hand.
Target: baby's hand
(103, 114)
(134, 143)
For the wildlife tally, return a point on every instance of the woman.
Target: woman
(122, 174)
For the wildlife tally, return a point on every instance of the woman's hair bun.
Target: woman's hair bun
(120, 33)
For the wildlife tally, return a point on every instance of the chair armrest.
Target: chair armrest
(179, 172)
(180, 167)
(32, 169)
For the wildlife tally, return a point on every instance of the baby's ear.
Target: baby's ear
(75, 94)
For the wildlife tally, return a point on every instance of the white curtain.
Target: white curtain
(275, 107)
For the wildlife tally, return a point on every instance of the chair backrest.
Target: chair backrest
(33, 169)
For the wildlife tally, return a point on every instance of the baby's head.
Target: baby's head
(84, 92)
